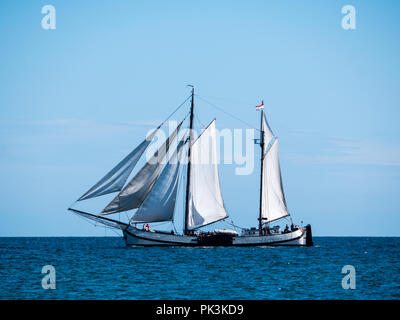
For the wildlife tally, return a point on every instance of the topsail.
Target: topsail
(132, 196)
(114, 180)
(205, 198)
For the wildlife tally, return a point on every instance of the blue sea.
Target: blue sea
(104, 268)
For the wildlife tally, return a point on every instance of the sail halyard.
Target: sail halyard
(134, 193)
(116, 178)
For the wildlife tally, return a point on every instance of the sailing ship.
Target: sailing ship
(152, 193)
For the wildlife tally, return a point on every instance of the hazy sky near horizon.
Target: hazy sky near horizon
(77, 99)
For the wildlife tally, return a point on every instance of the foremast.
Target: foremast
(186, 230)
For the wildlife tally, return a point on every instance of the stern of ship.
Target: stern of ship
(309, 239)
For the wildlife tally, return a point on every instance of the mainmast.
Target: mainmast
(189, 165)
(260, 222)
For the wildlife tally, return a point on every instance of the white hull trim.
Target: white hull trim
(138, 237)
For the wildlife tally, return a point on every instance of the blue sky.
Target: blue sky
(75, 100)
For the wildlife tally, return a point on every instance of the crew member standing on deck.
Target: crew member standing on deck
(286, 229)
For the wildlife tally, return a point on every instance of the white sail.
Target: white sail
(160, 203)
(114, 180)
(133, 195)
(273, 197)
(268, 134)
(205, 199)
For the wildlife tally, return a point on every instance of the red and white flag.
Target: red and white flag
(261, 106)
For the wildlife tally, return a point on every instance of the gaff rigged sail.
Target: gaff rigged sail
(205, 198)
(273, 197)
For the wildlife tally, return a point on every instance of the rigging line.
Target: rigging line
(197, 119)
(73, 204)
(115, 231)
(227, 100)
(95, 223)
(236, 229)
(160, 223)
(200, 125)
(127, 217)
(236, 226)
(288, 218)
(227, 113)
(186, 116)
(176, 110)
